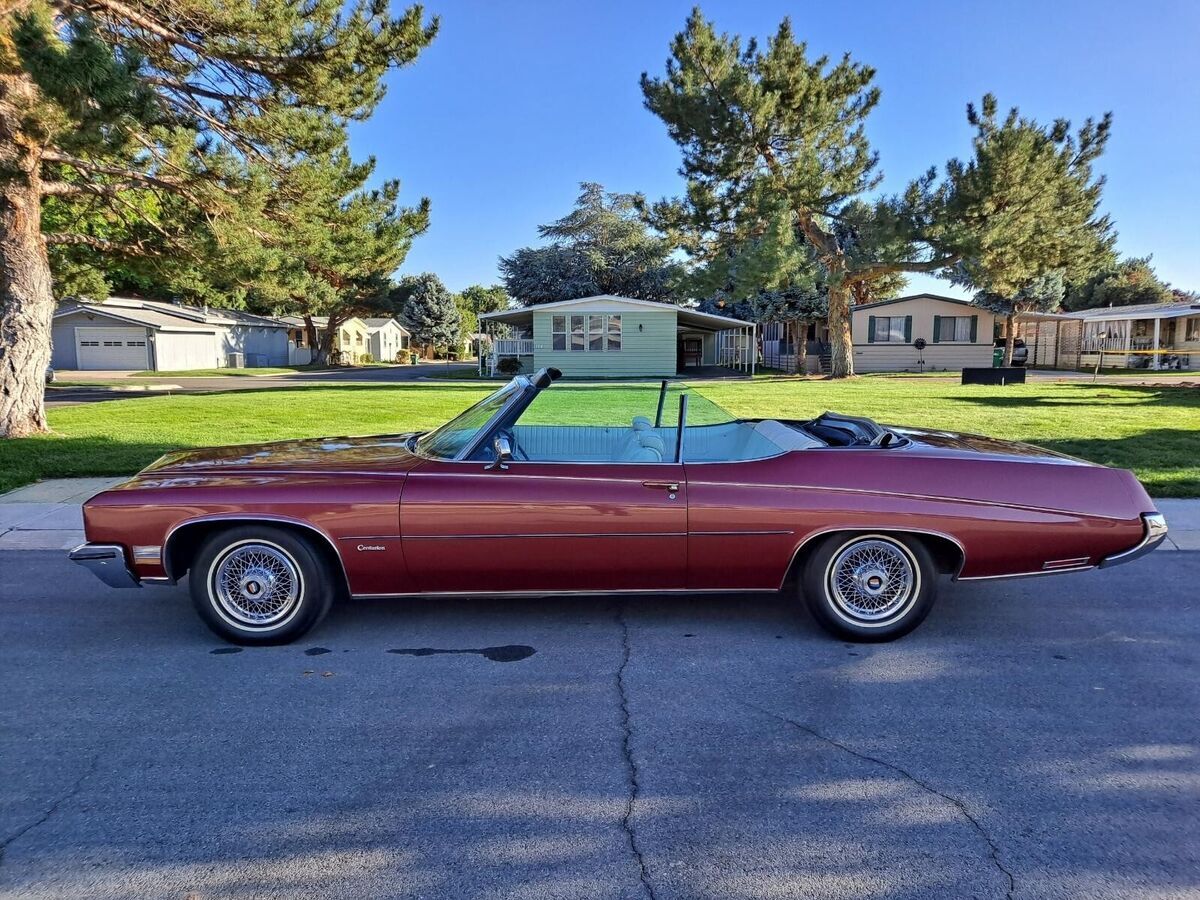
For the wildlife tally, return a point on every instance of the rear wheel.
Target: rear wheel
(869, 587)
(260, 585)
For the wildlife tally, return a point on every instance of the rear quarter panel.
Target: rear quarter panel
(1011, 516)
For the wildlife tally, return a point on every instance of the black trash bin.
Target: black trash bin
(999, 375)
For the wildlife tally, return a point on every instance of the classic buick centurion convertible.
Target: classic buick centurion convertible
(610, 489)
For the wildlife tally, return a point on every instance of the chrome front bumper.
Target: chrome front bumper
(1155, 531)
(106, 562)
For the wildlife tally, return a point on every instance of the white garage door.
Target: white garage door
(112, 348)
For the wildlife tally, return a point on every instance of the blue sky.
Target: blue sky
(517, 102)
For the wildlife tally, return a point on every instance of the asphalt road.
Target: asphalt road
(78, 391)
(1036, 738)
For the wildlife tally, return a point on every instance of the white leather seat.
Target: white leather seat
(652, 444)
(631, 448)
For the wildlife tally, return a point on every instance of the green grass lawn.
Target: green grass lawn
(1153, 430)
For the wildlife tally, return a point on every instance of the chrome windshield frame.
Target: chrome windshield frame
(522, 386)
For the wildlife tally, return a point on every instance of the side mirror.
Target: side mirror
(501, 451)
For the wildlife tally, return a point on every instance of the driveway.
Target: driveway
(1035, 738)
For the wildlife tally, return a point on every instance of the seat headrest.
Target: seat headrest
(653, 442)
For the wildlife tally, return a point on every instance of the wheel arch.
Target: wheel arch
(947, 551)
(184, 539)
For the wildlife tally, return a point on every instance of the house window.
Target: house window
(889, 328)
(1193, 329)
(586, 334)
(358, 338)
(345, 337)
(614, 333)
(953, 328)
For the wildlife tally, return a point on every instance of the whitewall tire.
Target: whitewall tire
(260, 584)
(869, 586)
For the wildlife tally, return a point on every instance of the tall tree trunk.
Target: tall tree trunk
(326, 352)
(26, 293)
(1010, 337)
(310, 335)
(801, 347)
(841, 345)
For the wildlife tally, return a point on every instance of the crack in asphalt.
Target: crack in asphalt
(51, 809)
(630, 764)
(993, 848)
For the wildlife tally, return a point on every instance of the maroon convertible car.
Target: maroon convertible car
(612, 488)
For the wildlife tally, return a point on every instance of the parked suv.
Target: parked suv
(1020, 351)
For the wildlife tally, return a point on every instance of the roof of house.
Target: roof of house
(148, 318)
(878, 303)
(318, 321)
(1140, 311)
(375, 324)
(163, 316)
(686, 315)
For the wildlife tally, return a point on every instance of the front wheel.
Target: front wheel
(260, 585)
(870, 587)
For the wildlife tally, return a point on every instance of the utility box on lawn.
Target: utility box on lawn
(1001, 375)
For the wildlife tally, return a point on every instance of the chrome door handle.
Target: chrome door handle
(672, 486)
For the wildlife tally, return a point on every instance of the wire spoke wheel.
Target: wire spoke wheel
(257, 584)
(872, 579)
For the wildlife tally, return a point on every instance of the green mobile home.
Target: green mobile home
(618, 337)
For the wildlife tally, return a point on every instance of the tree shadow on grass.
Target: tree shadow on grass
(1166, 460)
(1136, 395)
(25, 460)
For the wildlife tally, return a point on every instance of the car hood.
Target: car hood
(954, 442)
(382, 453)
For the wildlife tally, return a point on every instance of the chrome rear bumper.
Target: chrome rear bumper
(106, 562)
(1155, 531)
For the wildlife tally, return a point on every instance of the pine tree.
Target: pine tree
(430, 311)
(601, 247)
(796, 308)
(1130, 282)
(181, 122)
(760, 126)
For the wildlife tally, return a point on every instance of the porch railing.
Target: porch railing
(502, 347)
(512, 347)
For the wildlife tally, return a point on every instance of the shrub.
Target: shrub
(509, 365)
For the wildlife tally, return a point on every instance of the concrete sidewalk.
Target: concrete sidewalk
(48, 516)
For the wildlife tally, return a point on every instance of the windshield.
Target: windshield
(630, 422)
(448, 441)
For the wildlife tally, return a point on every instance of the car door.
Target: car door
(530, 527)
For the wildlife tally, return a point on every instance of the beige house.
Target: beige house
(350, 343)
(386, 339)
(886, 335)
(1150, 336)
